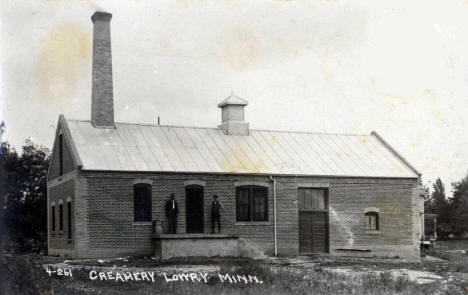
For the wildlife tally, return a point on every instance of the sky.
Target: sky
(397, 67)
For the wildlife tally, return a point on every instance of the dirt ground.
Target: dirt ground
(27, 274)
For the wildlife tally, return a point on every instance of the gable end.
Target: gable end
(70, 160)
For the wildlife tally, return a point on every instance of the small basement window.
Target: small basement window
(372, 221)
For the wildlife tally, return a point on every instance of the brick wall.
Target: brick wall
(110, 210)
(347, 200)
(59, 239)
(68, 164)
(109, 205)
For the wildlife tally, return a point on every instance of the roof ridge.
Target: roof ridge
(311, 132)
(216, 128)
(172, 126)
(149, 124)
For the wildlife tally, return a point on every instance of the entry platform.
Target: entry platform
(166, 246)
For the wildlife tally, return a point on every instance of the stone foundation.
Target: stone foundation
(166, 246)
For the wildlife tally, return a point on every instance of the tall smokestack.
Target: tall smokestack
(102, 106)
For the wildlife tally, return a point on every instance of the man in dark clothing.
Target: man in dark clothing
(172, 210)
(215, 214)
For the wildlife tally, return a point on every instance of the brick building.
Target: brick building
(282, 192)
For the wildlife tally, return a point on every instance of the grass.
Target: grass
(24, 275)
(435, 252)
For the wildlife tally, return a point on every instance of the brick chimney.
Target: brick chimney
(233, 119)
(102, 105)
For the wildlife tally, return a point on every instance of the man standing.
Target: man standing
(216, 214)
(172, 210)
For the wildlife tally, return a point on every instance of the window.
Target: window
(252, 203)
(60, 154)
(372, 221)
(312, 199)
(69, 220)
(142, 202)
(61, 217)
(52, 213)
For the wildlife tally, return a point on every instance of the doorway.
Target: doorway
(313, 220)
(194, 209)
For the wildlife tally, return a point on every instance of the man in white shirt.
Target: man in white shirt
(172, 210)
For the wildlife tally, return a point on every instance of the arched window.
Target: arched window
(69, 219)
(142, 202)
(251, 203)
(372, 220)
(52, 218)
(61, 216)
(60, 160)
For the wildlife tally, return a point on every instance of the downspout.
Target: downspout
(274, 213)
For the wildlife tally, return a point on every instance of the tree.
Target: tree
(439, 204)
(459, 205)
(25, 188)
(438, 195)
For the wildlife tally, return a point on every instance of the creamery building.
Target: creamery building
(283, 192)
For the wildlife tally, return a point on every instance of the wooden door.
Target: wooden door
(313, 220)
(194, 209)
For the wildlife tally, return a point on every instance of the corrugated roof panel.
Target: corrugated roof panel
(288, 162)
(217, 156)
(192, 151)
(75, 131)
(181, 151)
(149, 136)
(341, 154)
(258, 140)
(123, 155)
(244, 157)
(389, 159)
(205, 157)
(336, 155)
(302, 159)
(322, 152)
(279, 164)
(163, 159)
(133, 147)
(229, 161)
(314, 163)
(137, 135)
(137, 158)
(368, 145)
(105, 148)
(92, 147)
(297, 162)
(151, 162)
(128, 139)
(256, 159)
(108, 156)
(235, 152)
(358, 155)
(168, 150)
(264, 164)
(87, 157)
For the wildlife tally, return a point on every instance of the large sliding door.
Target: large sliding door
(313, 220)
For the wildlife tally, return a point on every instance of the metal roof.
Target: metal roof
(136, 147)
